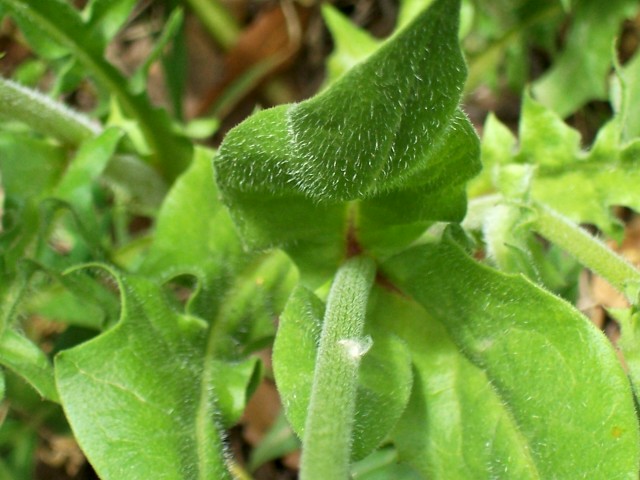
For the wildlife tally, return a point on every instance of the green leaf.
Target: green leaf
(108, 16)
(397, 472)
(64, 25)
(511, 245)
(410, 9)
(629, 343)
(19, 446)
(279, 441)
(58, 22)
(78, 297)
(234, 383)
(502, 37)
(586, 56)
(75, 187)
(384, 376)
(628, 97)
(245, 321)
(506, 233)
(139, 396)
(62, 305)
(194, 233)
(382, 464)
(496, 149)
(28, 361)
(581, 185)
(172, 26)
(194, 236)
(465, 430)
(302, 175)
(24, 157)
(352, 44)
(541, 359)
(238, 292)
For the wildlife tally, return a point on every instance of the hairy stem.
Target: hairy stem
(329, 423)
(589, 251)
(63, 24)
(44, 115)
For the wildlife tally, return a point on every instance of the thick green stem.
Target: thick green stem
(44, 115)
(329, 424)
(589, 251)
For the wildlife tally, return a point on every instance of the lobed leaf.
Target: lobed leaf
(139, 396)
(582, 185)
(586, 56)
(194, 236)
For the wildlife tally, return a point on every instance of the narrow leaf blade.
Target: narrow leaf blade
(28, 361)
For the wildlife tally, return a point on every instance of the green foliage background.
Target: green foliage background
(459, 350)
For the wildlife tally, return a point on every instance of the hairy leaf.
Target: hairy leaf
(455, 425)
(139, 397)
(240, 292)
(303, 175)
(194, 236)
(553, 390)
(384, 376)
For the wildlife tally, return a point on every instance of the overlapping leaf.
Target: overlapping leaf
(388, 130)
(385, 375)
(582, 185)
(238, 291)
